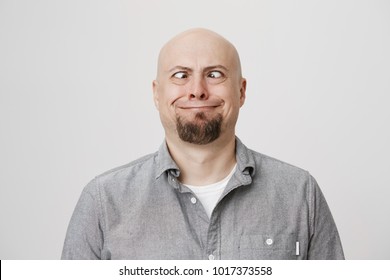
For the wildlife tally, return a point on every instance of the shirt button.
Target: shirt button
(211, 257)
(269, 241)
(173, 179)
(193, 200)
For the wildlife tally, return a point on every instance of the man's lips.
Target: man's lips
(198, 105)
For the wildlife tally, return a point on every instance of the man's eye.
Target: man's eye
(215, 74)
(180, 75)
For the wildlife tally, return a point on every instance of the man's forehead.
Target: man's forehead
(200, 53)
(198, 48)
(200, 59)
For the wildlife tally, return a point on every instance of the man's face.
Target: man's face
(199, 89)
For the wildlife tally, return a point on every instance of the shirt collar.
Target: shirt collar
(165, 162)
(245, 160)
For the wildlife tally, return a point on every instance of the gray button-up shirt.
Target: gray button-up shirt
(269, 210)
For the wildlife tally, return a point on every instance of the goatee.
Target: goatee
(201, 131)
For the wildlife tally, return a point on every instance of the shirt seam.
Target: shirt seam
(101, 214)
(219, 237)
(311, 205)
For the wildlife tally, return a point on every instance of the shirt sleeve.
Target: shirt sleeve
(84, 237)
(325, 243)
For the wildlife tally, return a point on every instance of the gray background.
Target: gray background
(76, 100)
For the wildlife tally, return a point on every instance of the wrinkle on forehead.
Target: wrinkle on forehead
(196, 40)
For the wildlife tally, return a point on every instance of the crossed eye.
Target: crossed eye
(180, 75)
(213, 74)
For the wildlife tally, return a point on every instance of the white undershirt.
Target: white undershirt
(209, 194)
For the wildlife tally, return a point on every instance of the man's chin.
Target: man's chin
(201, 130)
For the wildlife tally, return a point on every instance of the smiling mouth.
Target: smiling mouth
(198, 106)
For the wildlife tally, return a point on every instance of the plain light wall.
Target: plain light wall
(76, 100)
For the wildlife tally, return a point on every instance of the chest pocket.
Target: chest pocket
(268, 247)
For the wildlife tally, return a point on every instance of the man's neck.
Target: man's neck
(203, 164)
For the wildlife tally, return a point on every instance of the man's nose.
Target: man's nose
(198, 89)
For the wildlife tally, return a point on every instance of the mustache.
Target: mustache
(187, 104)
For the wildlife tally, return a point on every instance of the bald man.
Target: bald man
(203, 194)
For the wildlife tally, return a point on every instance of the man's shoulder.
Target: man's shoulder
(276, 175)
(266, 165)
(269, 165)
(132, 169)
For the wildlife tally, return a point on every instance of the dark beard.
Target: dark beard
(202, 131)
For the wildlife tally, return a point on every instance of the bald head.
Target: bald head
(200, 46)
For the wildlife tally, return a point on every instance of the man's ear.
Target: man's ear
(155, 94)
(242, 91)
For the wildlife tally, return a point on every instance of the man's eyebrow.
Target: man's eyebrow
(208, 68)
(178, 67)
(219, 66)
